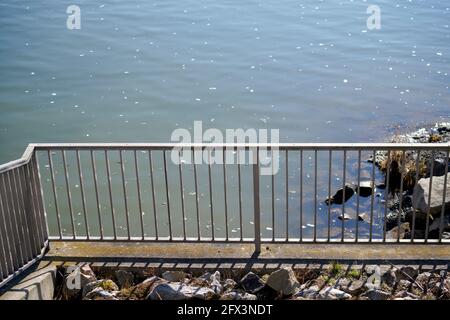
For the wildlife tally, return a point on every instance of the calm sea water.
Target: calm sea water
(137, 70)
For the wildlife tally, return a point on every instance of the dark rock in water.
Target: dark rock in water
(363, 216)
(365, 188)
(338, 198)
(344, 217)
(381, 186)
(252, 283)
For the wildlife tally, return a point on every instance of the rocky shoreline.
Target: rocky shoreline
(334, 282)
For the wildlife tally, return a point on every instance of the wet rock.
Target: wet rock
(406, 273)
(237, 295)
(421, 194)
(365, 188)
(252, 283)
(330, 293)
(174, 276)
(338, 197)
(76, 280)
(125, 279)
(376, 294)
(283, 281)
(395, 232)
(179, 291)
(100, 294)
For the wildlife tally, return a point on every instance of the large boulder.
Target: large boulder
(421, 194)
(283, 281)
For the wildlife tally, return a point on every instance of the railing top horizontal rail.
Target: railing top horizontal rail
(281, 146)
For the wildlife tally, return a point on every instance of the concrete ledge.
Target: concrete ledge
(38, 283)
(239, 256)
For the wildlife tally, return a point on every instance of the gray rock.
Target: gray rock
(375, 294)
(252, 283)
(356, 287)
(330, 293)
(394, 232)
(389, 278)
(237, 295)
(229, 284)
(421, 194)
(308, 293)
(363, 216)
(436, 224)
(125, 279)
(283, 281)
(179, 291)
(174, 276)
(100, 294)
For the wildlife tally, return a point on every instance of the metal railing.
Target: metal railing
(135, 192)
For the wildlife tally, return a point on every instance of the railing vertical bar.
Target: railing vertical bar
(183, 210)
(286, 178)
(256, 201)
(386, 193)
(6, 233)
(124, 189)
(315, 195)
(83, 198)
(225, 191)
(138, 185)
(14, 222)
(400, 203)
(413, 228)
(197, 199)
(4, 249)
(111, 202)
(39, 195)
(427, 225)
(238, 152)
(343, 194)
(69, 195)
(167, 195)
(97, 198)
(152, 180)
(55, 195)
(358, 194)
(34, 221)
(273, 196)
(210, 195)
(301, 195)
(371, 199)
(330, 157)
(441, 223)
(25, 210)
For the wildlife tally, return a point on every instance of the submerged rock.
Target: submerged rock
(365, 188)
(338, 197)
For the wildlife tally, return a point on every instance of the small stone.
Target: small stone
(363, 216)
(330, 293)
(252, 283)
(229, 284)
(356, 287)
(375, 294)
(403, 285)
(179, 291)
(283, 280)
(174, 276)
(344, 217)
(237, 295)
(125, 279)
(100, 294)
